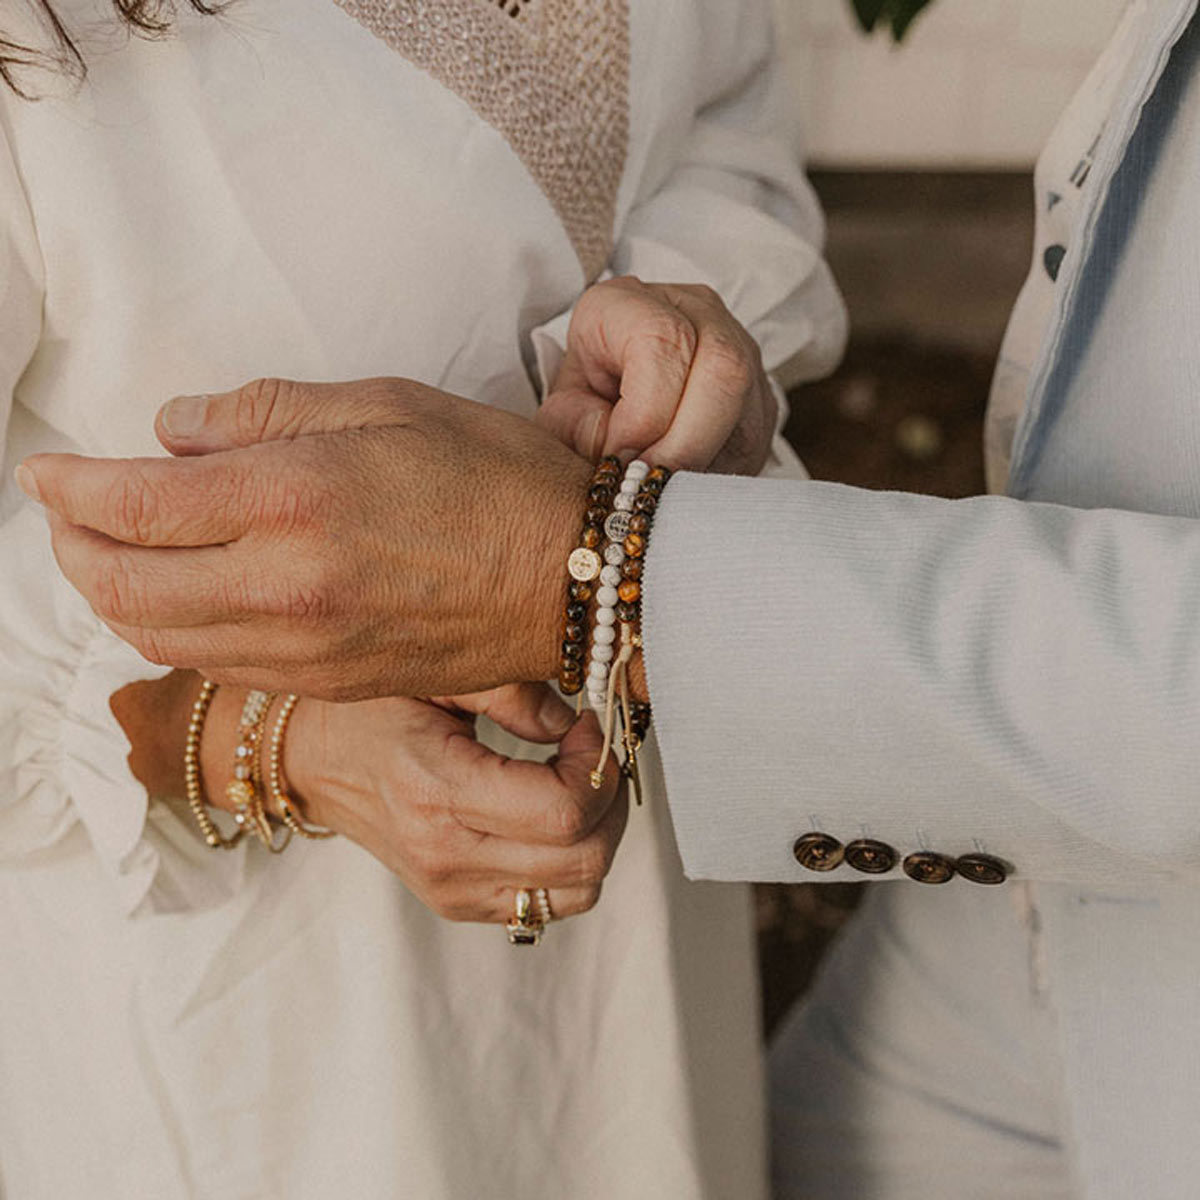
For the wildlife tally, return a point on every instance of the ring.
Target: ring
(543, 905)
(521, 930)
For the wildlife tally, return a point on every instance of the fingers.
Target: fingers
(533, 711)
(149, 501)
(664, 372)
(626, 340)
(542, 803)
(273, 409)
(720, 391)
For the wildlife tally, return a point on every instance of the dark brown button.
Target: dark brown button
(818, 851)
(927, 867)
(982, 868)
(871, 857)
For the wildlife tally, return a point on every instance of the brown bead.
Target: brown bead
(628, 613)
(871, 857)
(653, 487)
(639, 523)
(575, 633)
(568, 666)
(629, 590)
(982, 868)
(580, 590)
(576, 613)
(927, 866)
(635, 545)
(573, 651)
(631, 568)
(596, 515)
(818, 852)
(644, 502)
(600, 493)
(658, 474)
(571, 687)
(591, 537)
(610, 462)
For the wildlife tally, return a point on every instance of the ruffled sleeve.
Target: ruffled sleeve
(63, 755)
(720, 198)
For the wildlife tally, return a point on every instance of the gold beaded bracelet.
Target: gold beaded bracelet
(194, 785)
(279, 795)
(244, 790)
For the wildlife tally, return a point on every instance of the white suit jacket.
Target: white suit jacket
(1017, 676)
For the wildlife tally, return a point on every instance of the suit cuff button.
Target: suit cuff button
(818, 852)
(982, 868)
(926, 866)
(871, 857)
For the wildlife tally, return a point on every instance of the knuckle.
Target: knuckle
(572, 822)
(669, 336)
(731, 364)
(588, 899)
(133, 507)
(594, 858)
(152, 645)
(260, 406)
(114, 594)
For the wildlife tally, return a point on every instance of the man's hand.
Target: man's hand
(662, 371)
(338, 540)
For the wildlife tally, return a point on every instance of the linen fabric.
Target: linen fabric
(1018, 675)
(278, 191)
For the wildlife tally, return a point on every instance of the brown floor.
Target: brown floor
(930, 265)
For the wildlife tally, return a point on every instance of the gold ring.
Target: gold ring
(521, 930)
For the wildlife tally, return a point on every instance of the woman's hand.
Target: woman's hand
(462, 826)
(664, 372)
(342, 541)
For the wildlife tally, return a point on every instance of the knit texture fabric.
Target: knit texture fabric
(551, 75)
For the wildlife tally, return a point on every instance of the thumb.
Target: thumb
(532, 711)
(270, 410)
(578, 418)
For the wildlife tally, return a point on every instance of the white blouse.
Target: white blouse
(333, 191)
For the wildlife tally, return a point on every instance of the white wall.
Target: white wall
(976, 84)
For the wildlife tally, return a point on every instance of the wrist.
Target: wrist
(539, 622)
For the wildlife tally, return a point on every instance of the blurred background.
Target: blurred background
(922, 154)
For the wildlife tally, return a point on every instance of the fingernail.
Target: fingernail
(185, 415)
(556, 716)
(27, 482)
(593, 435)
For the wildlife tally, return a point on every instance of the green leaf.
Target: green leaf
(868, 12)
(903, 13)
(899, 14)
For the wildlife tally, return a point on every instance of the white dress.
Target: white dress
(333, 191)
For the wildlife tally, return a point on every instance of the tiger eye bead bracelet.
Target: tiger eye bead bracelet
(585, 565)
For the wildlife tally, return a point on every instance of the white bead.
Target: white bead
(606, 616)
(610, 576)
(623, 502)
(607, 597)
(630, 486)
(598, 701)
(614, 554)
(638, 469)
(604, 635)
(598, 670)
(602, 653)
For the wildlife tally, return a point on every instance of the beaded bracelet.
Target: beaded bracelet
(628, 613)
(604, 633)
(191, 773)
(279, 794)
(244, 790)
(585, 565)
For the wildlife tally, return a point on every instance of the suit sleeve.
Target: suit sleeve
(983, 675)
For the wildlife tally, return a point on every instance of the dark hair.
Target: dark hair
(151, 18)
